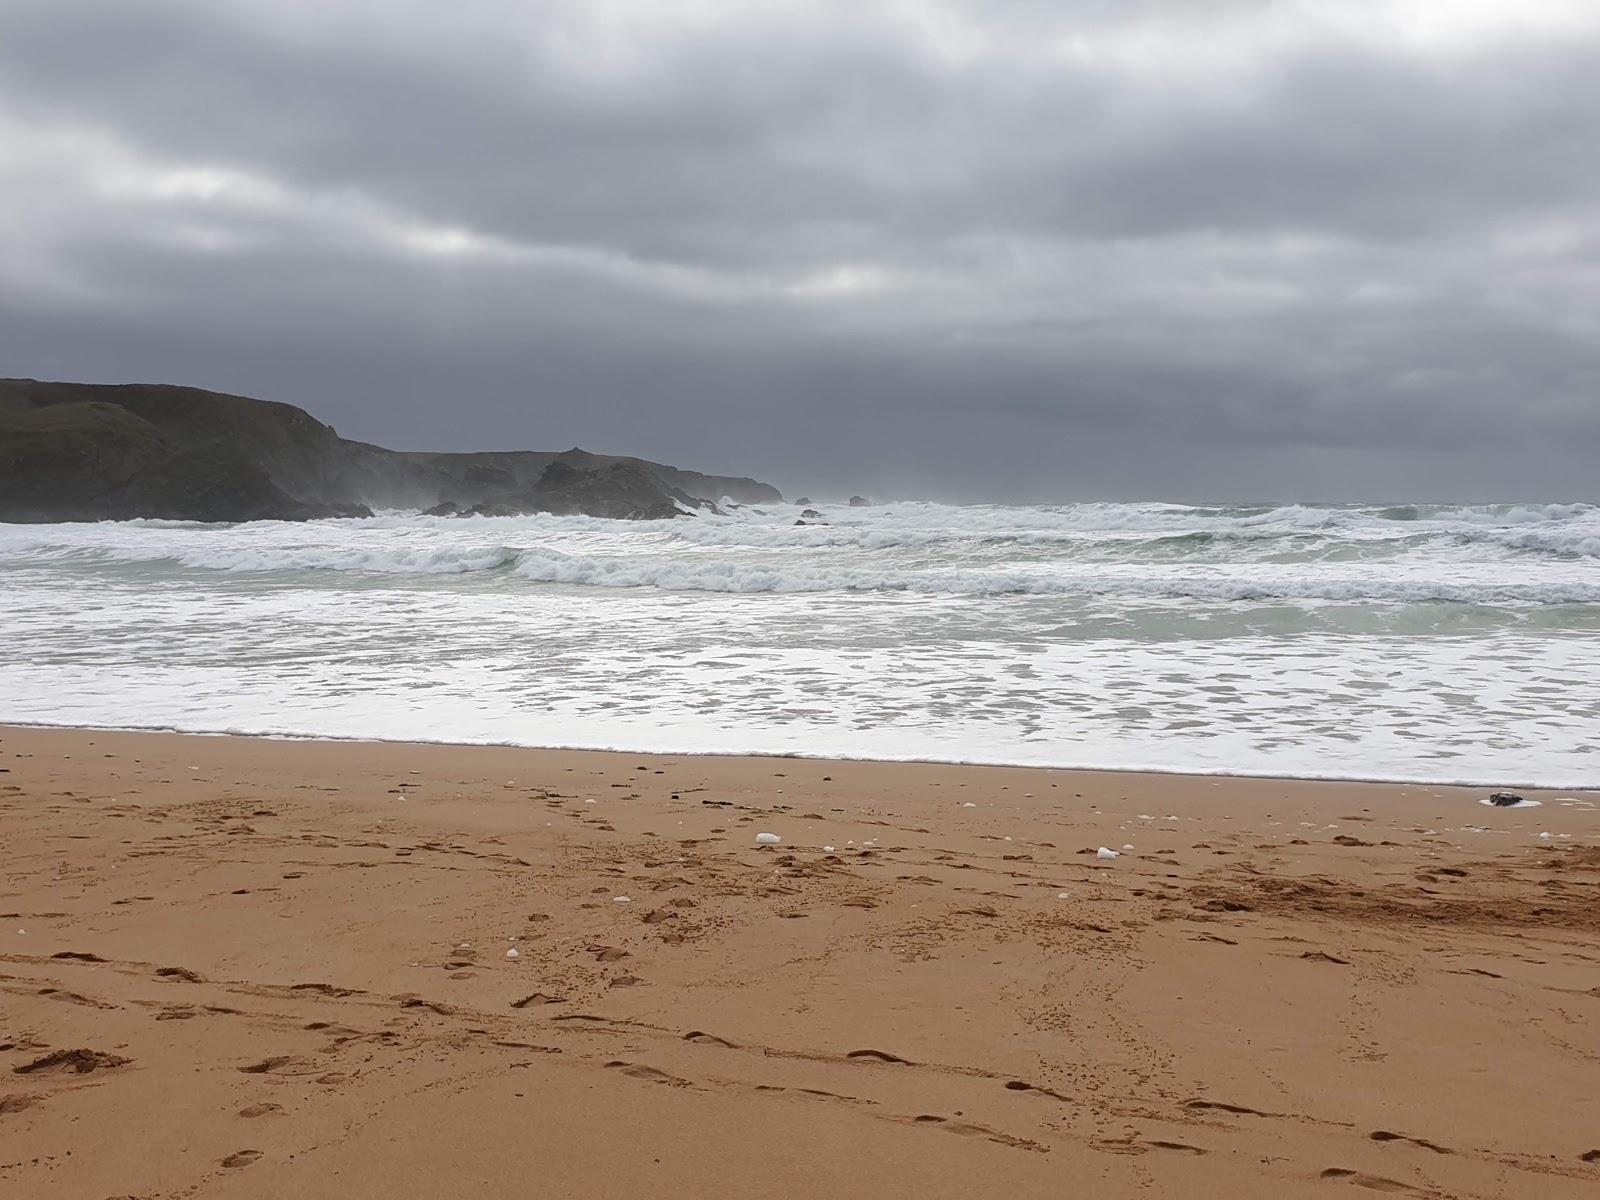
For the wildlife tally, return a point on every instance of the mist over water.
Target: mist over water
(1421, 642)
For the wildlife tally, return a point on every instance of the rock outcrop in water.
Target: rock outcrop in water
(86, 452)
(628, 490)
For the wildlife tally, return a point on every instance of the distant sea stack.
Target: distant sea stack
(93, 452)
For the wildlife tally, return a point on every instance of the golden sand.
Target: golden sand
(249, 968)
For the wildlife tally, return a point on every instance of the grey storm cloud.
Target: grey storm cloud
(1006, 250)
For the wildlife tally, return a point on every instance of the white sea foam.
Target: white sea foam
(1403, 641)
(665, 558)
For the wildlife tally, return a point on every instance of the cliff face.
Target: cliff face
(73, 451)
(62, 459)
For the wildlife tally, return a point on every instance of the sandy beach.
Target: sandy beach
(250, 968)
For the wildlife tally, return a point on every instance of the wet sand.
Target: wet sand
(233, 967)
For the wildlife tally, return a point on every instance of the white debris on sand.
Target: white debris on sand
(767, 839)
(512, 953)
(1106, 853)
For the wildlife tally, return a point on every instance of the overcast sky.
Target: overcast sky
(998, 249)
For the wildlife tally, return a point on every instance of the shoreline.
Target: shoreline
(931, 986)
(796, 756)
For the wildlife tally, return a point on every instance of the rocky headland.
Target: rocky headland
(93, 452)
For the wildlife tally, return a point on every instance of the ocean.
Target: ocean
(1409, 642)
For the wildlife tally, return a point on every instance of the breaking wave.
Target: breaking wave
(1503, 554)
(745, 577)
(1413, 641)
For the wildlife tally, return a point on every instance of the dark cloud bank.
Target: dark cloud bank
(1009, 250)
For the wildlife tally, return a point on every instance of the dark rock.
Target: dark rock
(489, 475)
(561, 473)
(859, 502)
(218, 482)
(803, 500)
(56, 462)
(446, 508)
(90, 460)
(1505, 799)
(625, 490)
(811, 512)
(500, 506)
(72, 452)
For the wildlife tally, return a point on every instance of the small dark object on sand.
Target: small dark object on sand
(1505, 799)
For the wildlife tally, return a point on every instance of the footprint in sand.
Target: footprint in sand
(1376, 1183)
(1017, 1085)
(821, 1094)
(73, 998)
(268, 1065)
(1119, 1146)
(241, 1158)
(325, 989)
(1220, 1106)
(1383, 1135)
(649, 1074)
(538, 998)
(708, 1039)
(879, 1056)
(79, 1061)
(260, 1110)
(443, 1010)
(968, 1129)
